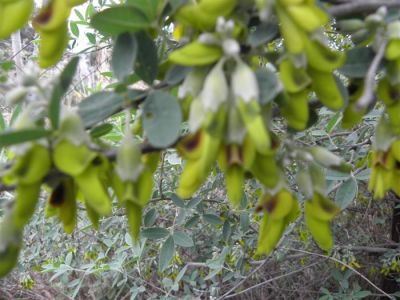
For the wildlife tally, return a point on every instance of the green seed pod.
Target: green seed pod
(75, 2)
(26, 198)
(10, 245)
(52, 17)
(14, 15)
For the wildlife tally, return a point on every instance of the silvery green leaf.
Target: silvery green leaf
(346, 193)
(384, 135)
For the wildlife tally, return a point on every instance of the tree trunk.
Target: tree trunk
(16, 45)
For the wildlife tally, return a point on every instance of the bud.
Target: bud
(215, 89)
(72, 129)
(192, 84)
(329, 160)
(231, 47)
(129, 165)
(197, 115)
(393, 30)
(31, 75)
(382, 11)
(373, 21)
(244, 82)
(351, 25)
(16, 95)
(209, 39)
(304, 182)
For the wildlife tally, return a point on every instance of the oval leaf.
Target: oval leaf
(346, 193)
(124, 55)
(8, 138)
(60, 89)
(120, 19)
(146, 66)
(182, 239)
(99, 106)
(155, 233)
(212, 219)
(357, 62)
(166, 253)
(162, 119)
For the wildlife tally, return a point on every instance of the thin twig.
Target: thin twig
(272, 279)
(161, 180)
(262, 264)
(361, 6)
(343, 264)
(369, 86)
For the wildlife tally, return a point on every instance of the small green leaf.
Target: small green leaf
(146, 66)
(155, 233)
(8, 138)
(99, 106)
(346, 193)
(269, 85)
(101, 130)
(193, 221)
(176, 74)
(178, 201)
(180, 274)
(174, 5)
(183, 239)
(333, 122)
(148, 7)
(162, 119)
(357, 62)
(166, 253)
(2, 122)
(120, 19)
(212, 219)
(244, 221)
(336, 175)
(74, 28)
(15, 114)
(364, 175)
(150, 217)
(263, 34)
(124, 55)
(59, 91)
(91, 38)
(194, 202)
